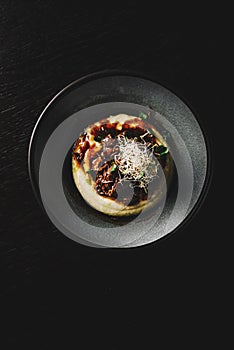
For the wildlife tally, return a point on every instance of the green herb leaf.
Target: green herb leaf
(88, 181)
(162, 150)
(98, 138)
(165, 152)
(142, 174)
(143, 115)
(113, 168)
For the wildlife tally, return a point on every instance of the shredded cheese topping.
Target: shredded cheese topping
(136, 162)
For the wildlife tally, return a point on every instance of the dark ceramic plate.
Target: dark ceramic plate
(93, 98)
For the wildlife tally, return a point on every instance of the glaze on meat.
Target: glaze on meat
(80, 147)
(107, 179)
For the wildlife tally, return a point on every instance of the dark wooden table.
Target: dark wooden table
(53, 290)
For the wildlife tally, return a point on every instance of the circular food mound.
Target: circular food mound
(116, 160)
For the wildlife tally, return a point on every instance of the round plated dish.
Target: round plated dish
(118, 161)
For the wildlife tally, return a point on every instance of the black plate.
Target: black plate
(93, 98)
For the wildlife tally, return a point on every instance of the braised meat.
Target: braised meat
(107, 179)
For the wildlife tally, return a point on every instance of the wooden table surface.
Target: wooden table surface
(45, 277)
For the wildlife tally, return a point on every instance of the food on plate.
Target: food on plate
(115, 162)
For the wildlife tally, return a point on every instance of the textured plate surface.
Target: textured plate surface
(89, 100)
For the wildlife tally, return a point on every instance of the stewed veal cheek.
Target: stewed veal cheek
(107, 179)
(118, 159)
(101, 131)
(80, 147)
